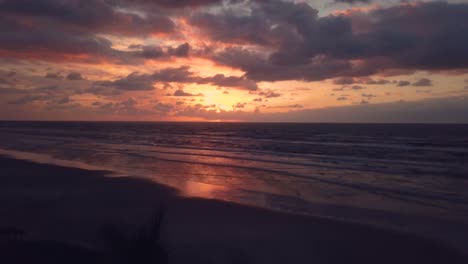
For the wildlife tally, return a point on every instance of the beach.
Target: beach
(73, 207)
(234, 131)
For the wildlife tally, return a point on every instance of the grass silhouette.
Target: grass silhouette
(142, 246)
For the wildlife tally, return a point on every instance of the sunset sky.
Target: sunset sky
(234, 60)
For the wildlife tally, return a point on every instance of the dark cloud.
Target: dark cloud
(30, 99)
(125, 107)
(352, 1)
(221, 80)
(133, 82)
(298, 44)
(269, 94)
(229, 27)
(403, 83)
(10, 74)
(259, 68)
(377, 82)
(75, 76)
(357, 87)
(181, 93)
(20, 40)
(287, 106)
(182, 50)
(239, 106)
(178, 75)
(360, 43)
(91, 15)
(10, 91)
(368, 81)
(162, 108)
(5, 81)
(61, 101)
(157, 52)
(72, 30)
(152, 52)
(136, 81)
(53, 76)
(443, 110)
(368, 96)
(423, 82)
(171, 3)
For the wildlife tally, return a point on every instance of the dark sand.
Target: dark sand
(52, 214)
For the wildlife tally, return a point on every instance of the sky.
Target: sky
(234, 60)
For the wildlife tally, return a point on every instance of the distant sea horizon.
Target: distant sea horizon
(235, 121)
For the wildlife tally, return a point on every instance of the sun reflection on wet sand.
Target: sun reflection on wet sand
(202, 190)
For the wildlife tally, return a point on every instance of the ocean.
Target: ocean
(359, 172)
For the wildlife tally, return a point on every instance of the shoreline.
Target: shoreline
(49, 202)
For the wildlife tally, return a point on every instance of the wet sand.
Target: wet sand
(52, 208)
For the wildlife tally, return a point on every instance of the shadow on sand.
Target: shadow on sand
(52, 214)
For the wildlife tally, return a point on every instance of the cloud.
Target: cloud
(56, 30)
(91, 16)
(366, 80)
(269, 94)
(30, 99)
(10, 74)
(368, 96)
(180, 51)
(307, 47)
(239, 105)
(441, 110)
(358, 87)
(75, 76)
(352, 1)
(171, 3)
(10, 91)
(183, 74)
(5, 81)
(181, 93)
(221, 80)
(423, 82)
(403, 83)
(163, 108)
(287, 106)
(133, 82)
(296, 43)
(259, 68)
(53, 76)
(20, 40)
(377, 82)
(157, 52)
(151, 52)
